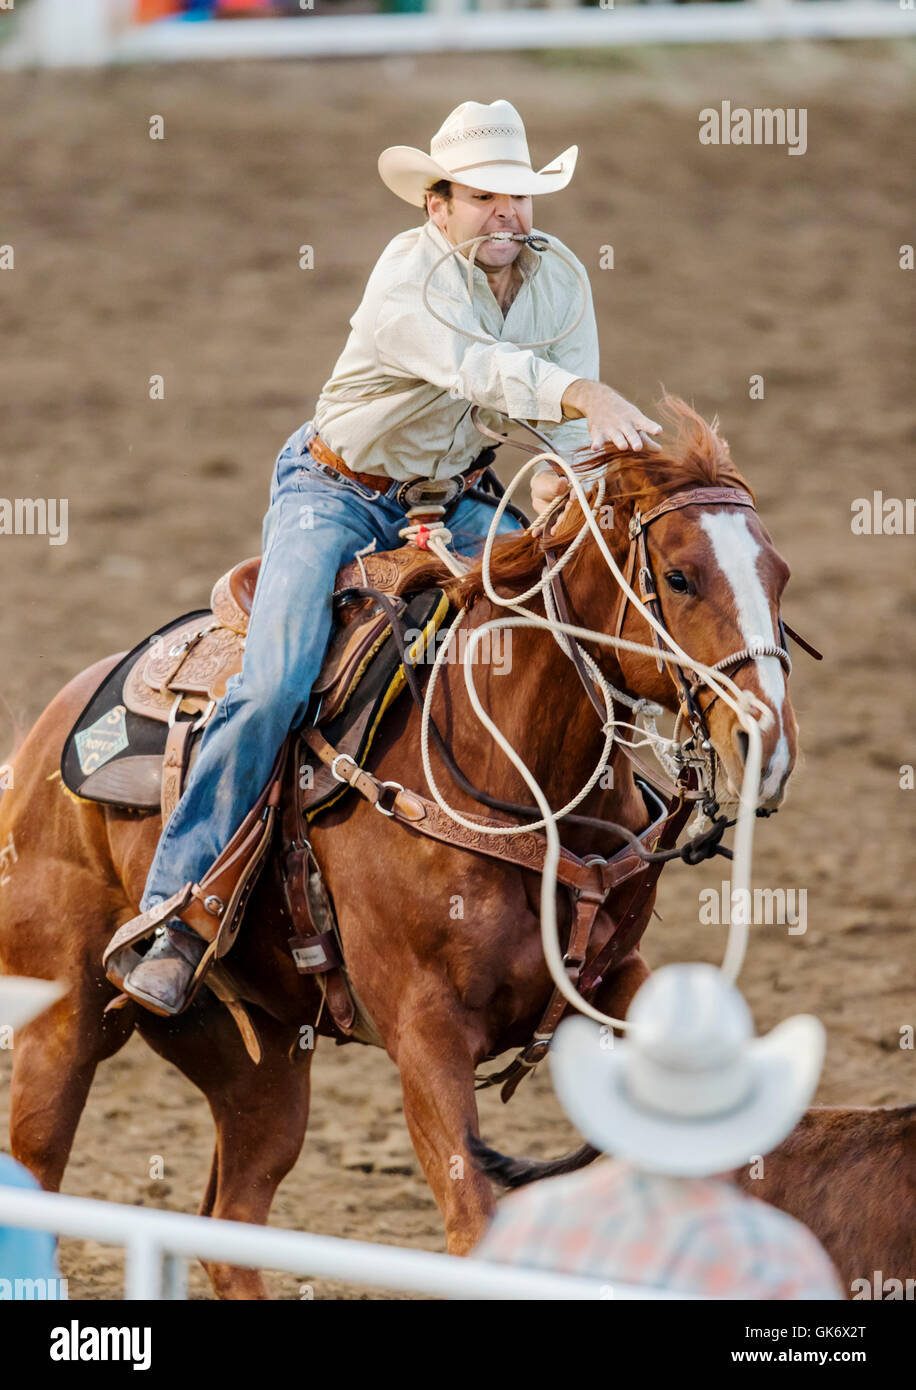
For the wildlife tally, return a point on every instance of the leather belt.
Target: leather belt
(429, 491)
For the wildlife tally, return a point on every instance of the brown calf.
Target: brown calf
(850, 1176)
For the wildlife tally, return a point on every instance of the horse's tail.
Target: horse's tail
(518, 1172)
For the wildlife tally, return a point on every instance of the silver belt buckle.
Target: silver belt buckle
(428, 492)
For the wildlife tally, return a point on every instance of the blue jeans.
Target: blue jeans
(316, 522)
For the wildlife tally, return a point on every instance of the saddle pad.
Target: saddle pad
(111, 754)
(114, 756)
(353, 731)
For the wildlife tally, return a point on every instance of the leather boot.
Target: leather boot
(160, 982)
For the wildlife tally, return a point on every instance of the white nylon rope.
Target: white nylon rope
(607, 730)
(716, 680)
(741, 702)
(645, 709)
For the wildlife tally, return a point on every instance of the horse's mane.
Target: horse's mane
(693, 453)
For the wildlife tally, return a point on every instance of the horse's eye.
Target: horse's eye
(678, 582)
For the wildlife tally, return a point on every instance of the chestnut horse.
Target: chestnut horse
(446, 989)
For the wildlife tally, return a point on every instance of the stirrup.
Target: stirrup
(119, 957)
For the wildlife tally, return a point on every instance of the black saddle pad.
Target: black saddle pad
(114, 756)
(129, 746)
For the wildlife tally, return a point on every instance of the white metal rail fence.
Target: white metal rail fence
(158, 1245)
(65, 33)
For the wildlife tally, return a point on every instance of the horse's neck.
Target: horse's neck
(535, 698)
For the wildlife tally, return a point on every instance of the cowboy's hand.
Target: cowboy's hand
(545, 487)
(611, 418)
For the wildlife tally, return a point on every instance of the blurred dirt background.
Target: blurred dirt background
(179, 257)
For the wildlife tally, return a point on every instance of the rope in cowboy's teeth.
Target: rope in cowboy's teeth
(741, 702)
(538, 243)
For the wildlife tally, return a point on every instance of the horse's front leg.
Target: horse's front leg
(615, 994)
(435, 1055)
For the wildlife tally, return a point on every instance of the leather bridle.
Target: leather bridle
(638, 568)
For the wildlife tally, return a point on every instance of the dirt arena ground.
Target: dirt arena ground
(178, 257)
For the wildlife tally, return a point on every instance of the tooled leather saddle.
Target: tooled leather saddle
(135, 741)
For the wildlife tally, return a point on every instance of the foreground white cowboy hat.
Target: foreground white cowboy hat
(689, 1091)
(482, 146)
(22, 998)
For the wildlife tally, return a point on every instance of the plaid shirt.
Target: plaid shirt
(695, 1236)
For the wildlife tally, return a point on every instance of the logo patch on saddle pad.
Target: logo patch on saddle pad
(102, 740)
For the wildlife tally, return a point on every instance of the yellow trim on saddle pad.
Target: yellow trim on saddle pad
(395, 686)
(361, 669)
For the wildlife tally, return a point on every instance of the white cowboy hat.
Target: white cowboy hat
(23, 998)
(482, 146)
(690, 1091)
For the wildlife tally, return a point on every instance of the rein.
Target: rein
(748, 709)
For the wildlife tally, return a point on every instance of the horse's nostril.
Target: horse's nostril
(742, 741)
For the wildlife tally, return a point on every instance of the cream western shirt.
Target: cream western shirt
(399, 398)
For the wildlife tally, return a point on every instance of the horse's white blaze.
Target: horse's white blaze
(736, 552)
